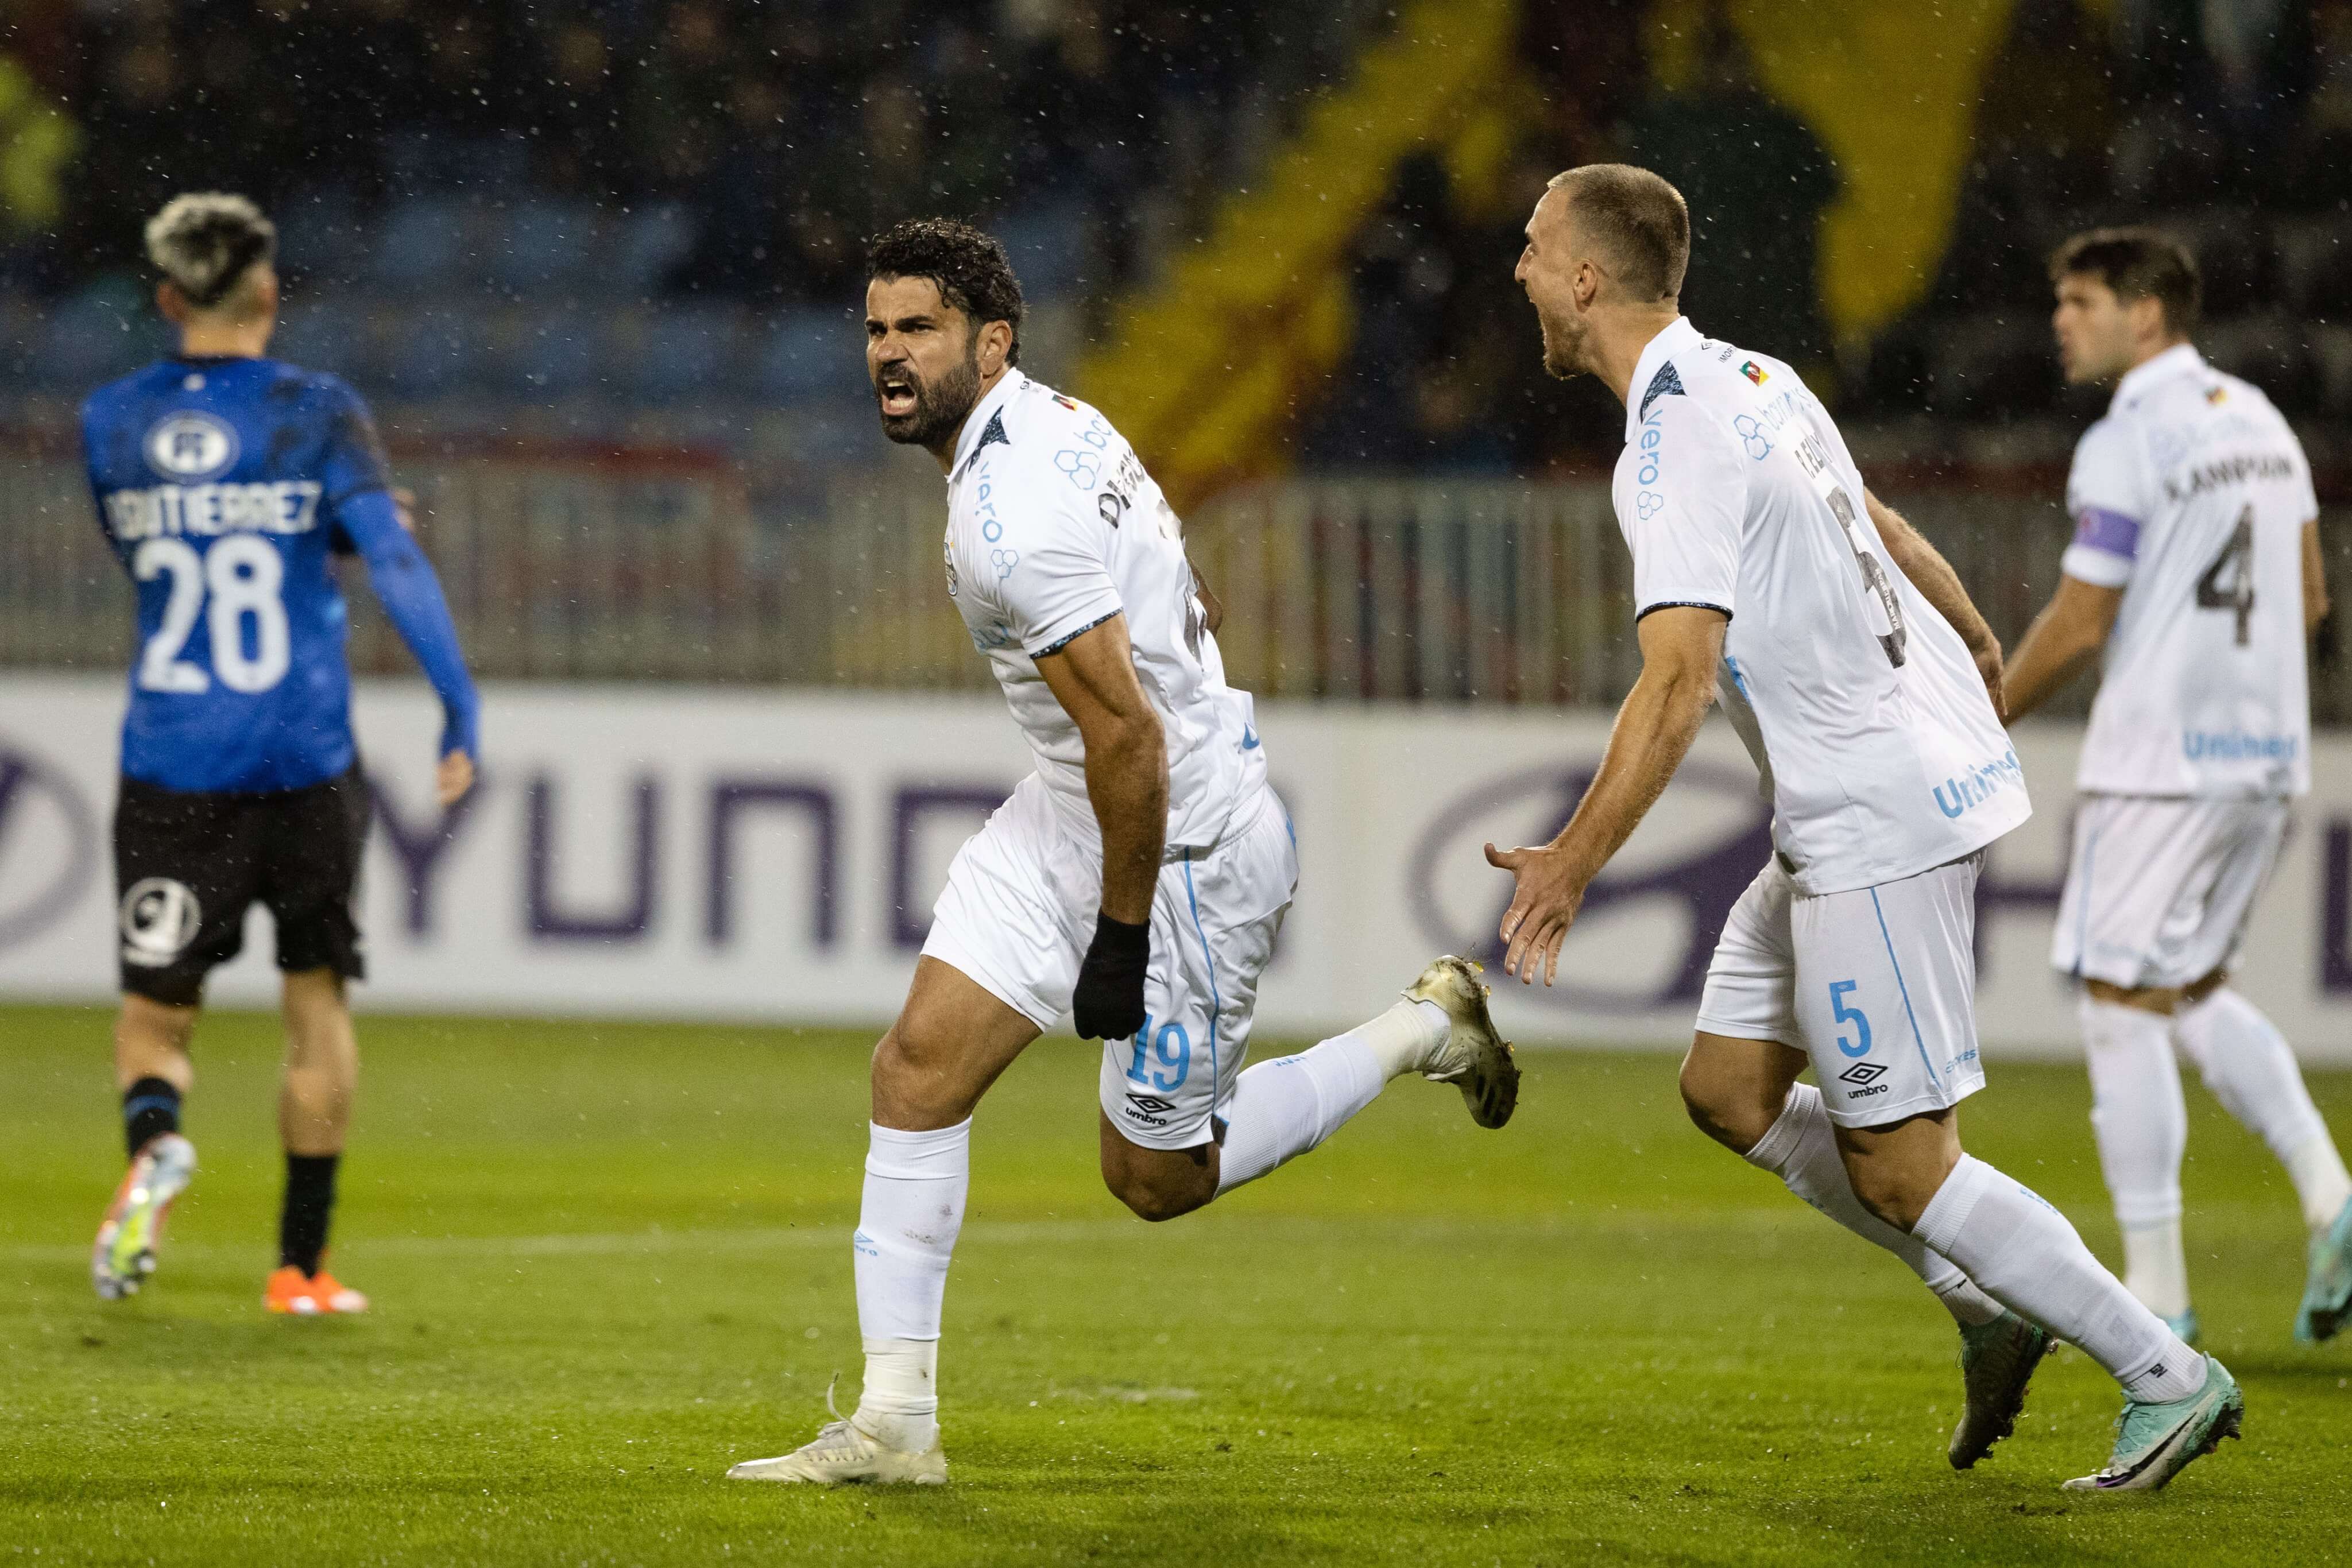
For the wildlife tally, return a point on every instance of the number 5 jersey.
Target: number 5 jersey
(1877, 744)
(2192, 496)
(224, 486)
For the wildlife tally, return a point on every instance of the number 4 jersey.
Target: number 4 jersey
(2192, 496)
(224, 485)
(1878, 745)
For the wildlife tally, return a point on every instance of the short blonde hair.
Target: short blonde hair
(1639, 222)
(205, 242)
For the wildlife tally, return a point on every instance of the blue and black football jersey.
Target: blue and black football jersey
(224, 485)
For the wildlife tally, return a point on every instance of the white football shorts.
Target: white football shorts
(1877, 985)
(2159, 887)
(1018, 912)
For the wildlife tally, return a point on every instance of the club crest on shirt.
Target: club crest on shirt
(191, 446)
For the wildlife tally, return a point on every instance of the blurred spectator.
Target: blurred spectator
(1757, 180)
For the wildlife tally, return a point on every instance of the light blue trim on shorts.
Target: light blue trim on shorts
(1916, 1040)
(1216, 1006)
(2083, 914)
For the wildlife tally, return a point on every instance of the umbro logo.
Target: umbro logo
(1150, 1104)
(1863, 1072)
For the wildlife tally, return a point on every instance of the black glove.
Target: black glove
(1109, 1004)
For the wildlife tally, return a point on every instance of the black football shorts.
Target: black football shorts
(188, 866)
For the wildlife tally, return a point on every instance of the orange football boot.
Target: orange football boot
(332, 1295)
(314, 1296)
(290, 1291)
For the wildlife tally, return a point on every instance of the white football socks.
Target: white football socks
(2142, 1124)
(1285, 1107)
(1802, 1150)
(2250, 1069)
(2023, 1254)
(907, 1226)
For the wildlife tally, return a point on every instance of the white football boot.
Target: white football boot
(124, 1253)
(843, 1454)
(1474, 1059)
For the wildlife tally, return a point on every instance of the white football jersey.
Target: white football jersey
(2191, 496)
(1877, 743)
(1052, 528)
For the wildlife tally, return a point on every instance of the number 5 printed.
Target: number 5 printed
(1845, 1014)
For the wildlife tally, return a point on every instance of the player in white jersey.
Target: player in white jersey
(1853, 665)
(2195, 577)
(1135, 879)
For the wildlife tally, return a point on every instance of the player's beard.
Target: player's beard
(939, 411)
(1561, 361)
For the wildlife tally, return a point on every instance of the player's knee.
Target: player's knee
(1895, 1194)
(1154, 1186)
(1722, 1109)
(1147, 1199)
(914, 1083)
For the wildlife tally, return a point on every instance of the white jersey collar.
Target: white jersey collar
(1671, 340)
(2178, 359)
(976, 423)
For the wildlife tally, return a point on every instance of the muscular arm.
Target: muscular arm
(1937, 583)
(2068, 634)
(1093, 677)
(2315, 580)
(1681, 648)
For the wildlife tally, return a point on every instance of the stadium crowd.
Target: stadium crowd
(560, 188)
(789, 132)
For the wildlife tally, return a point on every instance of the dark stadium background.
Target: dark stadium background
(623, 240)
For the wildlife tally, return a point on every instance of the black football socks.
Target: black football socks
(309, 1203)
(148, 1107)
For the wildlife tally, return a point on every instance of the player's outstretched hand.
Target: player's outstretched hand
(1109, 1002)
(453, 779)
(1544, 906)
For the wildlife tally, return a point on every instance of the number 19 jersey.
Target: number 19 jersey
(218, 483)
(2192, 496)
(1878, 745)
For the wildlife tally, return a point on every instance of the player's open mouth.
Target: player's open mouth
(896, 394)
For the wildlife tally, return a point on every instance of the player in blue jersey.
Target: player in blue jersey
(226, 482)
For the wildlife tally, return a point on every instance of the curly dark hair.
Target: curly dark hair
(970, 267)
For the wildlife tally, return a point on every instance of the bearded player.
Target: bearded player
(226, 481)
(1134, 881)
(2194, 578)
(1860, 678)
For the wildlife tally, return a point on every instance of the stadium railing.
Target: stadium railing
(661, 565)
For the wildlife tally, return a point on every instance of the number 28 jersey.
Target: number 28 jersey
(2192, 496)
(218, 483)
(1877, 744)
(1052, 528)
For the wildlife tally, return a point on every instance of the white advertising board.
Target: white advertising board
(708, 853)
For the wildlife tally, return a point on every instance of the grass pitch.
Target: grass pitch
(608, 1260)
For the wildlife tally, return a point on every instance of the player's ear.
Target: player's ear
(995, 346)
(171, 302)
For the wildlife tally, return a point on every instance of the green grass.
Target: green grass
(609, 1260)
